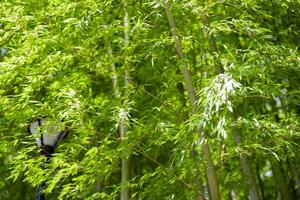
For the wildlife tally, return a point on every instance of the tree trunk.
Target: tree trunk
(210, 168)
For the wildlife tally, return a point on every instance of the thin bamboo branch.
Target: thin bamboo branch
(167, 106)
(201, 196)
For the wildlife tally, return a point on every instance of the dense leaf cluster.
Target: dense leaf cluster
(60, 58)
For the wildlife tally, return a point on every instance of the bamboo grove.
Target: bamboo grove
(163, 99)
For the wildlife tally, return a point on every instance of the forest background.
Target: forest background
(180, 99)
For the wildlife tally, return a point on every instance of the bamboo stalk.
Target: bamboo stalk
(212, 44)
(113, 69)
(281, 181)
(250, 179)
(210, 167)
(123, 127)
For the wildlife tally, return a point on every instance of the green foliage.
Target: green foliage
(56, 60)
